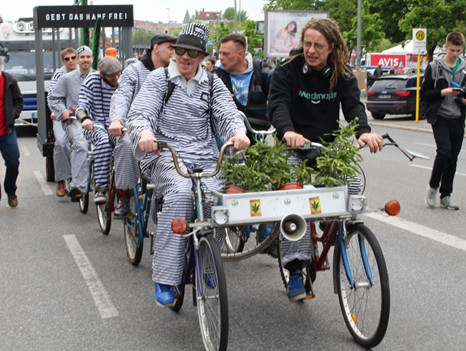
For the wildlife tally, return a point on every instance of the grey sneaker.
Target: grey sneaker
(431, 195)
(446, 203)
(99, 195)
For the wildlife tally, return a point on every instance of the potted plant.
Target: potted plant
(264, 167)
(338, 159)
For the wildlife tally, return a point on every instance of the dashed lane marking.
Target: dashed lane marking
(101, 298)
(421, 230)
(43, 184)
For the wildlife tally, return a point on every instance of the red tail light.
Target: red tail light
(370, 93)
(404, 93)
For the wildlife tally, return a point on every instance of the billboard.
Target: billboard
(283, 28)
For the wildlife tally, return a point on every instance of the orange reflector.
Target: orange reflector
(392, 208)
(354, 318)
(179, 225)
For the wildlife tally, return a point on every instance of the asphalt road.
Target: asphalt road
(65, 286)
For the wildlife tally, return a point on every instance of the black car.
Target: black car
(393, 94)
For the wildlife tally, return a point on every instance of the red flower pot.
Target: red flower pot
(290, 186)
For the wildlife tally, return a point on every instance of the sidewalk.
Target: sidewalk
(401, 122)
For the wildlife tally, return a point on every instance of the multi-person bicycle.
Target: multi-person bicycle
(359, 271)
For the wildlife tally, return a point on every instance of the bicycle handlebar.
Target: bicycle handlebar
(259, 133)
(164, 145)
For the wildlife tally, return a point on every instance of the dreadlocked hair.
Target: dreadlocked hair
(339, 57)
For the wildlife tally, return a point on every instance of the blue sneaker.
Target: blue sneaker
(210, 280)
(295, 289)
(165, 295)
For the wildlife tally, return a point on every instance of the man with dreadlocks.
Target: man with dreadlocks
(305, 96)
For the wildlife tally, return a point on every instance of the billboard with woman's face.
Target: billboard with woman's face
(283, 30)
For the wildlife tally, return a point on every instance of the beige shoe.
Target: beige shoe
(61, 189)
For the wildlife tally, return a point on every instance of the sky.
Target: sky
(149, 10)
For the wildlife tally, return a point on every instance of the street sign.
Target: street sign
(419, 41)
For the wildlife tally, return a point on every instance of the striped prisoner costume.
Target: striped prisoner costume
(61, 147)
(184, 124)
(94, 98)
(126, 167)
(65, 94)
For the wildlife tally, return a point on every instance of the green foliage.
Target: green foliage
(142, 37)
(229, 14)
(338, 158)
(263, 167)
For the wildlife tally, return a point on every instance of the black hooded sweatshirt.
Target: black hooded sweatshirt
(302, 102)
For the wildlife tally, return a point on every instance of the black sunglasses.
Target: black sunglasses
(70, 58)
(191, 53)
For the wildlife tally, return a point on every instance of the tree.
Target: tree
(439, 17)
(229, 14)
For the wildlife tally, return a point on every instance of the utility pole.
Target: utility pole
(358, 39)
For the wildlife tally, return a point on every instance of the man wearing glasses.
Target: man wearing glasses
(63, 101)
(188, 121)
(61, 147)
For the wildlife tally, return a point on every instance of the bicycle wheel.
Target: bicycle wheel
(366, 304)
(84, 203)
(248, 241)
(84, 200)
(211, 295)
(133, 243)
(104, 216)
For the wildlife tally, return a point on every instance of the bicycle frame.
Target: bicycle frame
(143, 204)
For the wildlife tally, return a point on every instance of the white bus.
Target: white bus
(18, 38)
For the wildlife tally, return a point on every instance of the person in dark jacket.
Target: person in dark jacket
(445, 111)
(247, 81)
(11, 104)
(306, 93)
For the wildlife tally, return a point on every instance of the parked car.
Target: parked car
(371, 75)
(393, 94)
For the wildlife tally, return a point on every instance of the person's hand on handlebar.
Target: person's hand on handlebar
(87, 124)
(294, 139)
(148, 143)
(240, 141)
(372, 140)
(115, 128)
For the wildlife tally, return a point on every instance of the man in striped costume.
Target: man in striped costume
(94, 108)
(63, 102)
(185, 122)
(126, 167)
(61, 146)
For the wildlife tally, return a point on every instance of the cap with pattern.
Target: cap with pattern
(193, 36)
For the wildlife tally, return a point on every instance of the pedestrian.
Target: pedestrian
(209, 63)
(306, 94)
(63, 101)
(126, 167)
(199, 107)
(445, 111)
(94, 109)
(11, 104)
(61, 146)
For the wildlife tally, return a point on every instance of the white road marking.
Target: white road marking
(96, 288)
(430, 168)
(421, 230)
(43, 184)
(25, 151)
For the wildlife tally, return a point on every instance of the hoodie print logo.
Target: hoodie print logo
(240, 90)
(317, 97)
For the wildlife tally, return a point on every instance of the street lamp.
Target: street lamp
(168, 9)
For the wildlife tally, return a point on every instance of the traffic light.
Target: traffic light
(166, 30)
